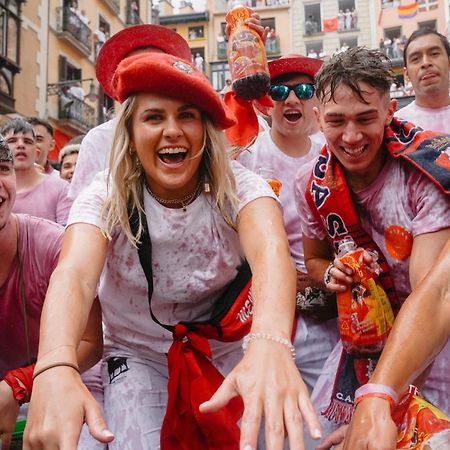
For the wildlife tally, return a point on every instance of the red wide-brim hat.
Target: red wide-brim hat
(118, 46)
(294, 64)
(170, 76)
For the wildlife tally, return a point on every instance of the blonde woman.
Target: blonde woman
(170, 184)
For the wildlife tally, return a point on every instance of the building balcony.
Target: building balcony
(273, 46)
(224, 5)
(222, 50)
(349, 30)
(75, 114)
(7, 103)
(113, 5)
(73, 30)
(133, 18)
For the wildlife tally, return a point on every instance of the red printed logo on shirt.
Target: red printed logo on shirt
(398, 242)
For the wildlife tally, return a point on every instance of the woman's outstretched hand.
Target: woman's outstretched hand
(60, 404)
(272, 389)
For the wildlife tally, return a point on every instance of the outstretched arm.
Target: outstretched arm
(64, 320)
(267, 379)
(420, 331)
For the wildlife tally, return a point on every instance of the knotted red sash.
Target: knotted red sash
(193, 379)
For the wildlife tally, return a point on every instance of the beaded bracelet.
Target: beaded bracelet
(58, 364)
(279, 339)
(376, 390)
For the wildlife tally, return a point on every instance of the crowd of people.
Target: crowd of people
(191, 301)
(348, 19)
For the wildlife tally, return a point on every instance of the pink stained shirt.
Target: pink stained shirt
(93, 157)
(401, 202)
(433, 119)
(47, 200)
(40, 242)
(264, 154)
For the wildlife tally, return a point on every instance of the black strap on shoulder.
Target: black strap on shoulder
(145, 258)
(222, 305)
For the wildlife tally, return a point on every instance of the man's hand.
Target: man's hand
(371, 427)
(334, 439)
(254, 22)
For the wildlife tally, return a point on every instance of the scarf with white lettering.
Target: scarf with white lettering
(329, 198)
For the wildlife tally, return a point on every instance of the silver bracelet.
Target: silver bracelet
(283, 341)
(327, 274)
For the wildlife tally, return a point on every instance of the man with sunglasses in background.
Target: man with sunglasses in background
(281, 151)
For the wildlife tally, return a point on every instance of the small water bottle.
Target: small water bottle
(246, 56)
(345, 246)
(268, 175)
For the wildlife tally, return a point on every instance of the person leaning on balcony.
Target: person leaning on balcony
(95, 148)
(426, 66)
(38, 194)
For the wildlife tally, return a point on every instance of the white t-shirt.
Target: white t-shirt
(432, 119)
(399, 205)
(93, 156)
(195, 254)
(265, 154)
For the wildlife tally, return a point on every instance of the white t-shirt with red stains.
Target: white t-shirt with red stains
(264, 154)
(432, 119)
(195, 254)
(399, 205)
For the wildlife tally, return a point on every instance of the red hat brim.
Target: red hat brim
(118, 46)
(169, 76)
(294, 64)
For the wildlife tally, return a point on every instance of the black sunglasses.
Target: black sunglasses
(303, 91)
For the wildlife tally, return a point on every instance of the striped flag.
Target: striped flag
(407, 11)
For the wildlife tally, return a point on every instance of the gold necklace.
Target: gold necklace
(187, 200)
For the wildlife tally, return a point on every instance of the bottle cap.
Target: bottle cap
(346, 245)
(265, 173)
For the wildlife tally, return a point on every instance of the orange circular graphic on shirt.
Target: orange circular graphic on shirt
(398, 242)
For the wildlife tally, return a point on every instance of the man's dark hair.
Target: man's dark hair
(425, 32)
(36, 121)
(17, 125)
(354, 66)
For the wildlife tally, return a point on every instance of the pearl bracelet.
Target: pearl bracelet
(283, 341)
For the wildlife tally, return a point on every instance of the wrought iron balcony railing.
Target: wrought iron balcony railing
(76, 110)
(70, 23)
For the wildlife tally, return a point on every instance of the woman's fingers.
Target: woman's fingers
(251, 423)
(309, 415)
(221, 397)
(293, 422)
(97, 425)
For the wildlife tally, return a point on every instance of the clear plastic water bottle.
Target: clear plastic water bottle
(268, 175)
(246, 56)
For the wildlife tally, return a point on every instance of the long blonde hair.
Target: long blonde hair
(127, 177)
